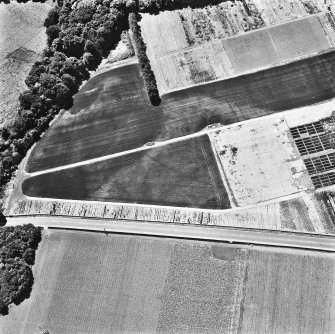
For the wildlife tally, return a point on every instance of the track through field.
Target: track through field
(180, 174)
(112, 113)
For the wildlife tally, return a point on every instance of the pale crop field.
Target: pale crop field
(289, 293)
(193, 46)
(278, 11)
(194, 65)
(275, 12)
(168, 33)
(276, 45)
(260, 49)
(93, 283)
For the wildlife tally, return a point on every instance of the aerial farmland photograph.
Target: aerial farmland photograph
(167, 166)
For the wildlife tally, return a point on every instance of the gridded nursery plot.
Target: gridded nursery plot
(311, 139)
(307, 129)
(320, 164)
(313, 144)
(323, 180)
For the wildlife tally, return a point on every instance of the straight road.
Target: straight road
(213, 233)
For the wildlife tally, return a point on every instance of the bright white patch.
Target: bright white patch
(260, 161)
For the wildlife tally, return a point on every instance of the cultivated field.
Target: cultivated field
(91, 283)
(263, 48)
(211, 43)
(180, 174)
(221, 59)
(288, 292)
(112, 112)
(86, 282)
(22, 38)
(260, 161)
(191, 26)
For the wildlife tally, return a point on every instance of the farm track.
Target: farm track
(181, 174)
(112, 114)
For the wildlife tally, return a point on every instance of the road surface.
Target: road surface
(212, 233)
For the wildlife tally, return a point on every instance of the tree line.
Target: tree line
(17, 254)
(145, 67)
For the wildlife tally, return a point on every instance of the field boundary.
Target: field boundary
(237, 228)
(264, 216)
(170, 207)
(262, 69)
(238, 35)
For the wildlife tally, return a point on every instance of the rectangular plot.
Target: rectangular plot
(323, 180)
(320, 164)
(307, 129)
(164, 31)
(195, 65)
(266, 149)
(251, 51)
(278, 284)
(313, 144)
(306, 36)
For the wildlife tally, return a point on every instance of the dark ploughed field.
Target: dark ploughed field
(112, 113)
(179, 174)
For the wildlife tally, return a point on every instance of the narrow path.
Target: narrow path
(328, 104)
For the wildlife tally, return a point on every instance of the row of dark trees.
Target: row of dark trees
(17, 254)
(148, 74)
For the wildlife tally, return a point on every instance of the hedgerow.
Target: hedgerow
(140, 47)
(17, 254)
